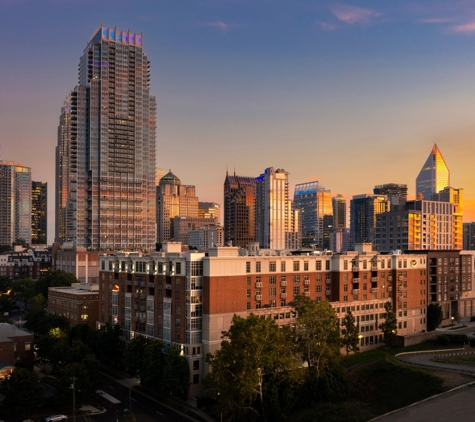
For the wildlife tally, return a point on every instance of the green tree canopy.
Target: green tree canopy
(5, 284)
(349, 333)
(56, 278)
(434, 316)
(23, 394)
(154, 364)
(135, 356)
(252, 350)
(24, 289)
(176, 372)
(389, 325)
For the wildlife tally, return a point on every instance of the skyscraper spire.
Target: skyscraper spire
(433, 177)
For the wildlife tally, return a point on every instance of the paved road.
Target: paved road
(457, 406)
(424, 359)
(144, 409)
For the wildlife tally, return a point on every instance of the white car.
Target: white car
(55, 418)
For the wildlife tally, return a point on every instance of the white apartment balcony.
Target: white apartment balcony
(374, 290)
(283, 295)
(258, 297)
(258, 284)
(283, 283)
(355, 291)
(374, 279)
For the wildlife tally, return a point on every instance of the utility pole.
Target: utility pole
(74, 399)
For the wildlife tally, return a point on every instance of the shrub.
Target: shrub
(444, 339)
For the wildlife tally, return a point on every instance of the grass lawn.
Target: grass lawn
(376, 388)
(377, 385)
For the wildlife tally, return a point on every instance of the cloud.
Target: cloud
(224, 27)
(467, 28)
(352, 14)
(328, 26)
(436, 20)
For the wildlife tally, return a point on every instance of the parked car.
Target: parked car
(56, 418)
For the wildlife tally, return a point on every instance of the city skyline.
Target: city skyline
(356, 88)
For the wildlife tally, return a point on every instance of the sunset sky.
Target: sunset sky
(351, 94)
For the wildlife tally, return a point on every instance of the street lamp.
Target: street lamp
(360, 338)
(452, 318)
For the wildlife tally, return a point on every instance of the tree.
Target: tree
(135, 355)
(24, 290)
(56, 278)
(154, 364)
(21, 242)
(318, 342)
(176, 372)
(23, 394)
(350, 333)
(389, 326)
(106, 344)
(5, 284)
(252, 350)
(434, 316)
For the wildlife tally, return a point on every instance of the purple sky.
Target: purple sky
(352, 94)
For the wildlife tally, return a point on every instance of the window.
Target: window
(248, 267)
(318, 265)
(319, 288)
(272, 291)
(248, 305)
(296, 290)
(327, 265)
(272, 279)
(27, 346)
(282, 266)
(178, 268)
(345, 264)
(296, 266)
(196, 365)
(305, 265)
(196, 378)
(248, 293)
(345, 287)
(296, 279)
(318, 278)
(365, 264)
(272, 267)
(248, 281)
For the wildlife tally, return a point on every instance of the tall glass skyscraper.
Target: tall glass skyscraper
(15, 203)
(39, 212)
(433, 177)
(314, 204)
(105, 158)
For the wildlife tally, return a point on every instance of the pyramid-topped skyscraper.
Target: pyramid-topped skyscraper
(433, 177)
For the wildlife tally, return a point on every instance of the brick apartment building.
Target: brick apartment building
(79, 303)
(189, 298)
(15, 345)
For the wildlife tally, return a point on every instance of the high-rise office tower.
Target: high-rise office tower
(15, 203)
(239, 210)
(469, 236)
(39, 203)
(173, 200)
(397, 194)
(105, 158)
(314, 204)
(339, 212)
(277, 222)
(433, 177)
(363, 211)
(455, 197)
(209, 210)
